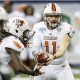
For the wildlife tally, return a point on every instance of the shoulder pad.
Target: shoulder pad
(15, 43)
(67, 28)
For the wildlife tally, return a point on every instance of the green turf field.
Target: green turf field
(77, 76)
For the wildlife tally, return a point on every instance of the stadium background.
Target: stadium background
(69, 7)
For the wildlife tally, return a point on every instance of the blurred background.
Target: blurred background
(32, 10)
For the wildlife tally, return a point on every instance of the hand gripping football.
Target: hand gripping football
(42, 58)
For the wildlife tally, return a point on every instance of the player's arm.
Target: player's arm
(63, 46)
(64, 43)
(68, 34)
(18, 63)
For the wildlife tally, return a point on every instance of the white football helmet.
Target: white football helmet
(3, 14)
(19, 27)
(52, 9)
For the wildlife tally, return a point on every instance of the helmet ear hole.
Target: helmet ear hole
(16, 31)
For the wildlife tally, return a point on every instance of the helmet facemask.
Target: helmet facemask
(53, 23)
(26, 36)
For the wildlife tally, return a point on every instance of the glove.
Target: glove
(37, 71)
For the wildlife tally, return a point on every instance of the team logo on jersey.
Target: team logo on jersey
(42, 29)
(58, 29)
(50, 38)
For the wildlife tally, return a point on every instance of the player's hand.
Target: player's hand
(49, 60)
(37, 71)
(35, 58)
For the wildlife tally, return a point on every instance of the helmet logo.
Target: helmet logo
(19, 23)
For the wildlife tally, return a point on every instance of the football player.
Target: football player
(11, 41)
(53, 36)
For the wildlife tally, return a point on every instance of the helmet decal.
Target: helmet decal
(53, 7)
(19, 23)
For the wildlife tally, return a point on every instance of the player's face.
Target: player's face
(53, 18)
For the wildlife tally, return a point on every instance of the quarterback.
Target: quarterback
(11, 41)
(53, 36)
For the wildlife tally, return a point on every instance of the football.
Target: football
(42, 58)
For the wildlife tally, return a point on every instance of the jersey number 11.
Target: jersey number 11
(47, 46)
